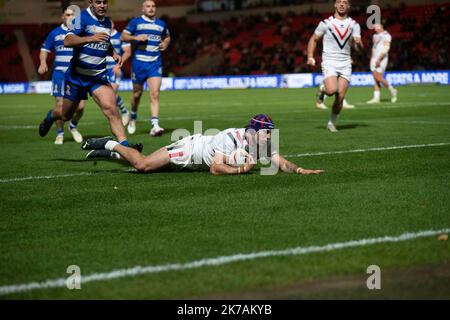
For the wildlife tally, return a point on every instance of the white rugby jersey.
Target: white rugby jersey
(225, 142)
(337, 37)
(378, 42)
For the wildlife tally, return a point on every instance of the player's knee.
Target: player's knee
(330, 91)
(141, 166)
(154, 95)
(137, 94)
(110, 111)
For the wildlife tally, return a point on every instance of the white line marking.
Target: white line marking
(45, 177)
(369, 150)
(139, 270)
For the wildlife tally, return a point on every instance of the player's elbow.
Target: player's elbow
(123, 37)
(214, 170)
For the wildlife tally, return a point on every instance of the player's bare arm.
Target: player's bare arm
(43, 67)
(164, 44)
(126, 53)
(72, 40)
(289, 167)
(219, 167)
(312, 45)
(127, 37)
(117, 58)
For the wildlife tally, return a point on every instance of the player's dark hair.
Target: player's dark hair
(65, 7)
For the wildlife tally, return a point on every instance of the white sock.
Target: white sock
(333, 118)
(391, 89)
(376, 95)
(111, 144)
(115, 155)
(155, 122)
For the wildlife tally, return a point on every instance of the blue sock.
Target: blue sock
(133, 115)
(60, 131)
(125, 143)
(120, 104)
(72, 124)
(49, 116)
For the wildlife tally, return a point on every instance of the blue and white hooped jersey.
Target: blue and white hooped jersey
(156, 30)
(90, 59)
(55, 42)
(118, 47)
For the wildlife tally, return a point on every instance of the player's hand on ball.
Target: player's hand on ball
(247, 167)
(308, 171)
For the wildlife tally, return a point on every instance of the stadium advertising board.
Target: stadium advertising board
(306, 80)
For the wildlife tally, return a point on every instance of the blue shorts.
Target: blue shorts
(58, 83)
(145, 70)
(112, 78)
(76, 87)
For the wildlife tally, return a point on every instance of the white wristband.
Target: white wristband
(239, 170)
(299, 170)
(313, 60)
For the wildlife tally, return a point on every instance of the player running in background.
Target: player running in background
(338, 32)
(151, 37)
(199, 151)
(378, 63)
(55, 42)
(115, 73)
(90, 38)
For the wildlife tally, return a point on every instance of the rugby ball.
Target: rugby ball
(238, 158)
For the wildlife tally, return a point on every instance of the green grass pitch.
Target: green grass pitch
(58, 209)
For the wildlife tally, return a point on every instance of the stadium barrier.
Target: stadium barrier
(301, 80)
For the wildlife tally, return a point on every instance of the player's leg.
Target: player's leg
(73, 124)
(331, 86)
(59, 123)
(386, 83)
(154, 85)
(135, 100)
(153, 162)
(342, 87)
(320, 97)
(376, 89)
(110, 149)
(105, 97)
(125, 115)
(64, 114)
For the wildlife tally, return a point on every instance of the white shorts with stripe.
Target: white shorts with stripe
(181, 152)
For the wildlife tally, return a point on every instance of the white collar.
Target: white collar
(147, 19)
(63, 26)
(92, 15)
(114, 31)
